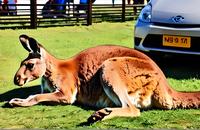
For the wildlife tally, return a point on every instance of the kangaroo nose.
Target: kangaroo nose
(17, 79)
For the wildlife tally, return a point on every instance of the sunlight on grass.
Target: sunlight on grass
(185, 84)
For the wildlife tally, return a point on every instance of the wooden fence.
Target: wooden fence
(34, 15)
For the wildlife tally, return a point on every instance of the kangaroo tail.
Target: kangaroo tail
(186, 100)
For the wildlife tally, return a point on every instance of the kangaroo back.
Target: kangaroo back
(90, 60)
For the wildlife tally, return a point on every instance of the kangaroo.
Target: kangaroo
(118, 81)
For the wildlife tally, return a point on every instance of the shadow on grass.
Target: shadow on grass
(180, 66)
(19, 93)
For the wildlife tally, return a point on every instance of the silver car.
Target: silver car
(169, 26)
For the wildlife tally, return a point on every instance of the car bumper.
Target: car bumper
(148, 37)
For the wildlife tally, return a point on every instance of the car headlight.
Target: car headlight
(145, 15)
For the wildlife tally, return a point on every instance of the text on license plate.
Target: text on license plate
(176, 41)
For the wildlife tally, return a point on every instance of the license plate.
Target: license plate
(176, 41)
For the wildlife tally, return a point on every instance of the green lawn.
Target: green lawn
(65, 42)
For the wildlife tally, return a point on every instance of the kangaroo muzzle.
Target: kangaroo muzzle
(19, 81)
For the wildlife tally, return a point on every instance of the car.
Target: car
(169, 26)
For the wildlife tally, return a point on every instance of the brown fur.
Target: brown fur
(116, 79)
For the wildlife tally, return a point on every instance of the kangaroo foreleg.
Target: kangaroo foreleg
(56, 97)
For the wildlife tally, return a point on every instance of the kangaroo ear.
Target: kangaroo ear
(30, 44)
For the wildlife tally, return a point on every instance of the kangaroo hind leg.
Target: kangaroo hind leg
(116, 90)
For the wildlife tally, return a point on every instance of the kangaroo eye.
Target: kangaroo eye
(30, 66)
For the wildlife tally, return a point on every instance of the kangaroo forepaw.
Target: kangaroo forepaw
(98, 115)
(16, 102)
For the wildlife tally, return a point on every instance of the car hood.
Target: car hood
(176, 11)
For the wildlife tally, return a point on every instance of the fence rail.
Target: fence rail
(33, 15)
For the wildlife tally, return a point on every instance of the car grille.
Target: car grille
(137, 41)
(177, 25)
(155, 41)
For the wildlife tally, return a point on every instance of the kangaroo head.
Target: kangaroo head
(34, 65)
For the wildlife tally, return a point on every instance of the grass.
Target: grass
(65, 42)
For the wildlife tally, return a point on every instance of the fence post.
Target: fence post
(123, 10)
(33, 15)
(89, 13)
